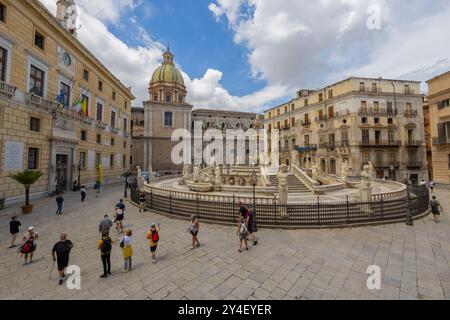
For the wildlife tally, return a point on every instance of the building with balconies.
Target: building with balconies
(438, 104)
(356, 120)
(61, 109)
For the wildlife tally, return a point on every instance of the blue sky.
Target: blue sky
(254, 54)
(196, 38)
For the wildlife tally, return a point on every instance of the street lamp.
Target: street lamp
(254, 180)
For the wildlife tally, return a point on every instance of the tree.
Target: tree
(27, 178)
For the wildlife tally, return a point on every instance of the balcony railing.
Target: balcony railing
(380, 143)
(413, 143)
(100, 125)
(327, 145)
(114, 130)
(344, 143)
(381, 112)
(441, 141)
(410, 114)
(386, 164)
(414, 164)
(36, 100)
(306, 148)
(7, 89)
(306, 122)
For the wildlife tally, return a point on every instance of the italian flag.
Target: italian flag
(81, 106)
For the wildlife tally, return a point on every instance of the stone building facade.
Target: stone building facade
(167, 111)
(355, 120)
(61, 111)
(439, 118)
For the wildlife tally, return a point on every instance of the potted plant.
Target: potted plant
(27, 178)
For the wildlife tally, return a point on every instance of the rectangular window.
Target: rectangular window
(306, 102)
(378, 137)
(125, 125)
(111, 160)
(65, 89)
(320, 115)
(82, 160)
(99, 112)
(168, 119)
(407, 90)
(306, 118)
(320, 97)
(3, 62)
(98, 159)
(269, 128)
(449, 162)
(35, 124)
(124, 144)
(306, 140)
(126, 104)
(278, 112)
(286, 123)
(37, 77)
(365, 136)
(376, 107)
(113, 119)
(270, 115)
(2, 13)
(33, 156)
(99, 139)
(408, 107)
(389, 108)
(83, 135)
(344, 136)
(330, 112)
(39, 40)
(390, 121)
(114, 95)
(374, 87)
(112, 141)
(293, 122)
(362, 87)
(391, 136)
(278, 125)
(364, 106)
(124, 161)
(86, 75)
(168, 97)
(100, 86)
(330, 94)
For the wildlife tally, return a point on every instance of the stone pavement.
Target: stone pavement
(294, 264)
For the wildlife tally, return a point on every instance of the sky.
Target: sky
(250, 55)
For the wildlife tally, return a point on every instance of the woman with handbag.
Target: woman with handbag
(127, 250)
(251, 226)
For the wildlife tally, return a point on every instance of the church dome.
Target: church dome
(167, 72)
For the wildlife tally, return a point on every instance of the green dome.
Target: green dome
(168, 73)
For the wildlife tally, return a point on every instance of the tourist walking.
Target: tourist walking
(435, 209)
(127, 250)
(242, 231)
(251, 226)
(153, 238)
(142, 202)
(97, 188)
(431, 185)
(30, 244)
(14, 225)
(59, 203)
(105, 247)
(118, 219)
(105, 225)
(61, 253)
(83, 193)
(121, 205)
(242, 210)
(194, 228)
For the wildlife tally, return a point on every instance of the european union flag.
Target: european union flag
(60, 97)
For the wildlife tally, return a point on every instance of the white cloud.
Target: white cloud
(306, 44)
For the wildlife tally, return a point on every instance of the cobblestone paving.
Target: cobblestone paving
(297, 264)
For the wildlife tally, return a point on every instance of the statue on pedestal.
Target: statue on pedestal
(218, 176)
(315, 171)
(294, 158)
(186, 170)
(344, 171)
(196, 173)
(371, 169)
(283, 189)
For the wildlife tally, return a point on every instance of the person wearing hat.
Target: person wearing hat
(30, 240)
(14, 225)
(153, 238)
(194, 228)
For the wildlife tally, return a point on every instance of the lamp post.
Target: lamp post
(254, 180)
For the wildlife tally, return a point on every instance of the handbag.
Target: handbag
(122, 243)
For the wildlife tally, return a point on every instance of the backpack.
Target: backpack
(243, 228)
(434, 207)
(106, 247)
(26, 247)
(155, 236)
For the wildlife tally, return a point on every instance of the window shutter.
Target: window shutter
(441, 133)
(441, 105)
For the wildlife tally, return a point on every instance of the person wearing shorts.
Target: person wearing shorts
(251, 226)
(118, 217)
(193, 229)
(435, 209)
(242, 231)
(61, 253)
(153, 238)
(30, 237)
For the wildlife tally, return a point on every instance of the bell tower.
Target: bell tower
(66, 13)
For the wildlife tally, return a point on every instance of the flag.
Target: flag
(77, 105)
(84, 106)
(100, 174)
(60, 98)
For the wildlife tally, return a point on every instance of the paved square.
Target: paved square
(294, 264)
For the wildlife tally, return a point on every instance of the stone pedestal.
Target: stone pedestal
(283, 191)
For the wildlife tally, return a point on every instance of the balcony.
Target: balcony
(344, 144)
(321, 119)
(7, 89)
(100, 125)
(126, 134)
(38, 101)
(306, 122)
(327, 145)
(410, 114)
(306, 148)
(283, 128)
(114, 130)
(377, 112)
(414, 164)
(386, 164)
(413, 143)
(380, 143)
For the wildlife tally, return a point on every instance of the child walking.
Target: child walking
(242, 231)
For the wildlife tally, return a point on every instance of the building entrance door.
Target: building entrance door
(61, 172)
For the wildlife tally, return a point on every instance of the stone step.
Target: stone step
(295, 185)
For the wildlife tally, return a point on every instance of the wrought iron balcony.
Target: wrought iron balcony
(413, 143)
(380, 143)
(410, 114)
(414, 164)
(306, 122)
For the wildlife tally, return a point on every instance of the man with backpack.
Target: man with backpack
(30, 244)
(153, 238)
(435, 209)
(105, 247)
(60, 253)
(59, 202)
